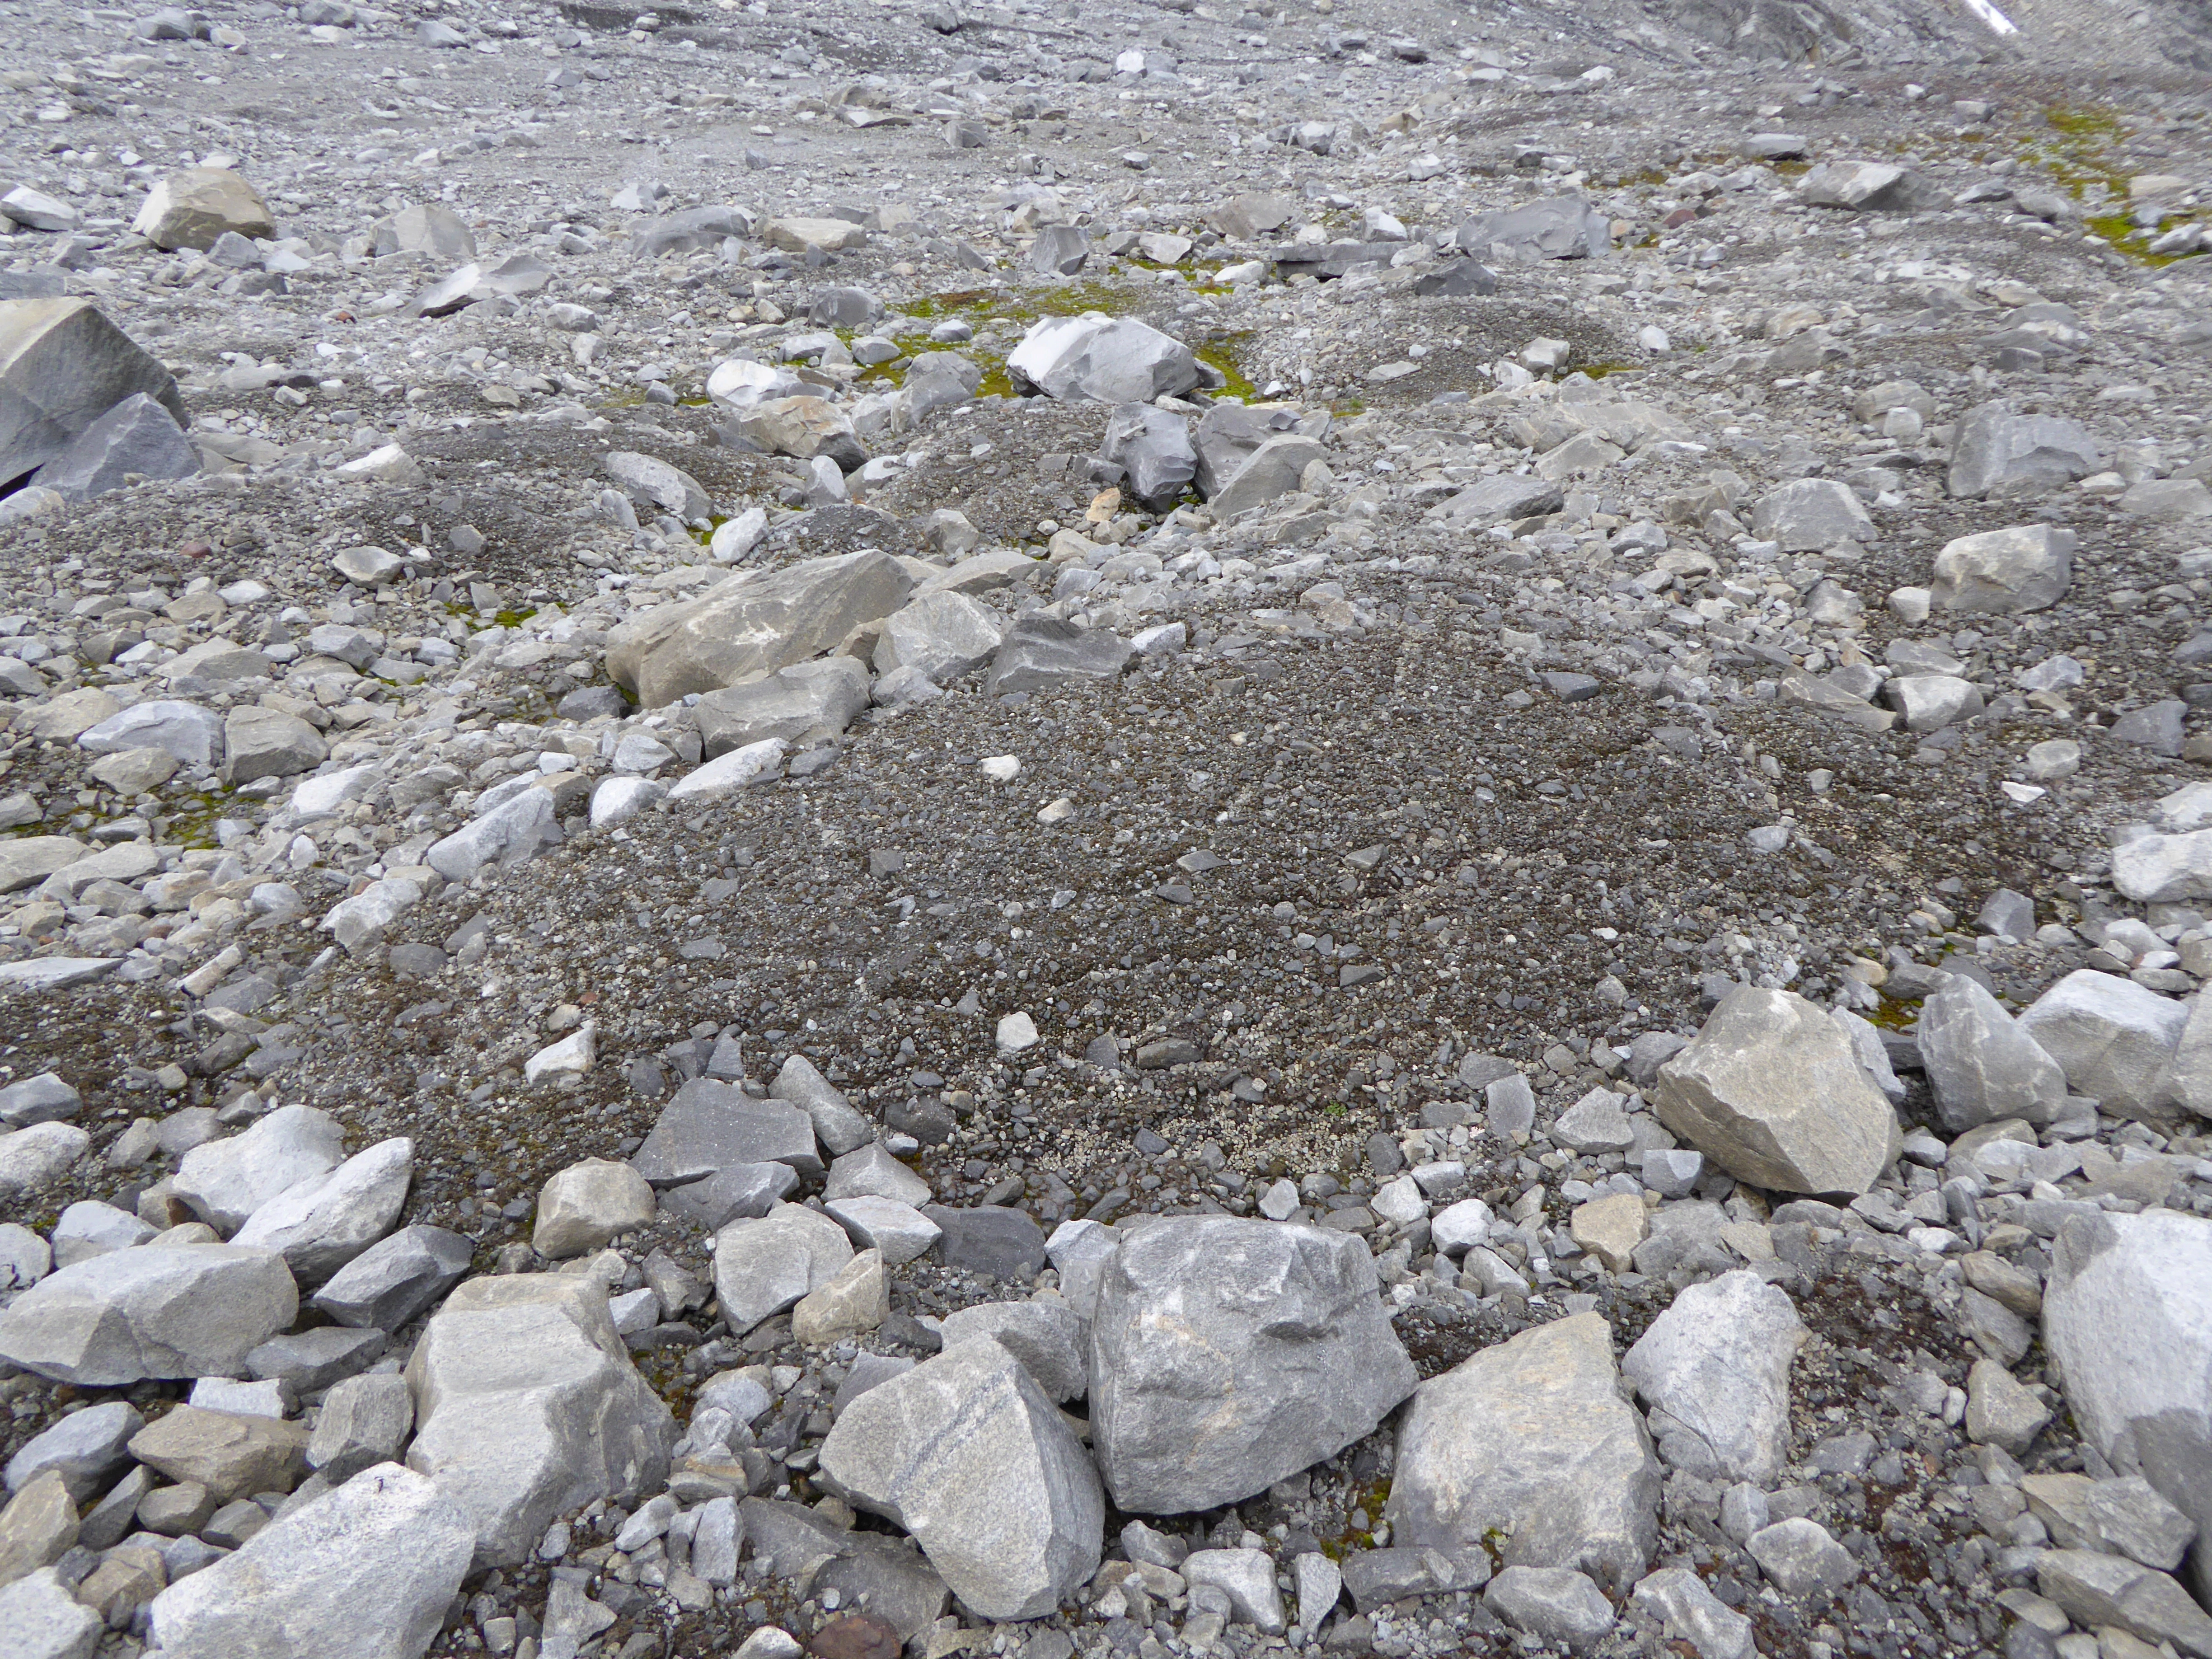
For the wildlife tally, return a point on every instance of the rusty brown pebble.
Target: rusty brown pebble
(855, 1635)
(195, 550)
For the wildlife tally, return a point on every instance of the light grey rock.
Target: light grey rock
(1929, 702)
(1078, 1251)
(1042, 651)
(763, 1267)
(1050, 1341)
(225, 1181)
(231, 1454)
(324, 1221)
(395, 1279)
(1810, 515)
(1246, 1577)
(653, 483)
(583, 1205)
(1227, 1354)
(1098, 359)
(1320, 1583)
(194, 1310)
(2114, 1038)
(388, 1539)
(1272, 470)
(1689, 1611)
(2127, 1315)
(25, 1258)
(968, 1455)
(1153, 448)
(941, 635)
(88, 1228)
(2188, 1080)
(85, 1446)
(741, 1192)
(1998, 449)
(710, 1126)
(872, 1172)
(43, 1621)
(2157, 869)
(192, 207)
(1801, 1557)
(364, 1421)
(716, 1537)
(191, 732)
(1059, 250)
(1717, 1362)
(2005, 572)
(527, 1407)
(310, 1361)
(1557, 227)
(2102, 1591)
(803, 703)
(1532, 1440)
(1556, 1603)
(429, 228)
(64, 365)
(268, 743)
(1497, 499)
(1981, 1065)
(138, 436)
(1377, 1578)
(2000, 1410)
(836, 1125)
(1595, 1123)
(514, 832)
(41, 1099)
(1867, 187)
(751, 624)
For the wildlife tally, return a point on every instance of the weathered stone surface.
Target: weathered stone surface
(2127, 1314)
(1531, 1439)
(1557, 227)
(191, 732)
(836, 1124)
(36, 1527)
(763, 1267)
(1998, 449)
(1246, 1577)
(2126, 1514)
(1050, 1341)
(1098, 359)
(225, 1181)
(653, 482)
(1227, 1354)
(1770, 1091)
(890, 1577)
(2000, 1410)
(1981, 1066)
(1153, 448)
(195, 1311)
(1801, 1558)
(1810, 515)
(1689, 1611)
(43, 1621)
(364, 1421)
(1556, 1603)
(1718, 1363)
(63, 366)
(2102, 1591)
(988, 1238)
(268, 743)
(192, 207)
(528, 1407)
(583, 1205)
(324, 1221)
(395, 1279)
(230, 1454)
(752, 624)
(856, 1300)
(34, 1158)
(1042, 651)
(871, 1171)
(513, 832)
(1867, 187)
(741, 1192)
(2113, 1038)
(2005, 572)
(710, 1126)
(138, 435)
(1271, 470)
(801, 703)
(966, 1454)
(85, 1446)
(388, 1539)
(941, 635)
(1497, 500)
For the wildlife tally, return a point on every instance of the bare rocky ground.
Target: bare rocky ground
(1591, 672)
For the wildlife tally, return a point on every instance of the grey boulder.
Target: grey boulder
(651, 482)
(2022, 567)
(1499, 501)
(155, 1311)
(710, 1126)
(85, 1446)
(387, 1539)
(1042, 651)
(752, 624)
(1228, 1354)
(1981, 1066)
(836, 1124)
(763, 1266)
(63, 366)
(395, 1279)
(324, 1221)
(939, 636)
(1867, 187)
(1271, 470)
(1098, 359)
(1530, 1442)
(1050, 1341)
(967, 1454)
(1998, 449)
(364, 1421)
(1152, 447)
(1810, 515)
(268, 743)
(1558, 228)
(1770, 1091)
(528, 1407)
(802, 703)
(1556, 1603)
(225, 1181)
(2113, 1038)
(1717, 1363)
(185, 730)
(138, 436)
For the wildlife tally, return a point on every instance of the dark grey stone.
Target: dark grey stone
(1004, 1243)
(312, 1360)
(1042, 651)
(741, 1192)
(137, 435)
(396, 1278)
(1154, 448)
(710, 1126)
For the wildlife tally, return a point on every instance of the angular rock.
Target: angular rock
(1556, 1603)
(1557, 227)
(941, 635)
(1246, 1577)
(1810, 515)
(989, 1239)
(527, 1407)
(1052, 1342)
(2000, 1411)
(395, 1279)
(1867, 187)
(805, 427)
(1718, 1363)
(710, 1126)
(1042, 651)
(1801, 1558)
(802, 704)
(229, 1454)
(1098, 359)
(36, 1527)
(324, 1223)
(855, 1301)
(63, 366)
(890, 1577)
(1531, 1440)
(44, 1619)
(751, 624)
(35, 1159)
(1689, 1611)
(651, 482)
(138, 436)
(185, 730)
(2113, 1038)
(1271, 470)
(84, 1448)
(1770, 1091)
(583, 1205)
(514, 832)
(195, 207)
(1153, 448)
(2101, 1591)
(741, 1192)
(836, 1125)
(41, 1099)
(2005, 572)
(388, 1539)
(1998, 449)
(268, 743)
(966, 1454)
(1981, 1066)
(429, 228)
(225, 1181)
(194, 1310)
(1229, 1354)
(899, 1231)
(763, 1267)
(1499, 500)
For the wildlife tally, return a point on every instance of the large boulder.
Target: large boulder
(513, 832)
(2127, 1315)
(1557, 227)
(969, 1455)
(1152, 447)
(1228, 1354)
(193, 208)
(231, 1454)
(939, 636)
(2113, 1038)
(763, 1267)
(710, 1126)
(1998, 449)
(803, 427)
(324, 1221)
(1095, 358)
(1528, 1447)
(1810, 515)
(1271, 470)
(1770, 1091)
(528, 1407)
(1981, 1066)
(118, 1318)
(2026, 566)
(836, 1124)
(268, 743)
(138, 436)
(1717, 1363)
(2165, 869)
(191, 732)
(801, 704)
(582, 1206)
(225, 1181)
(387, 1538)
(752, 624)
(63, 366)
